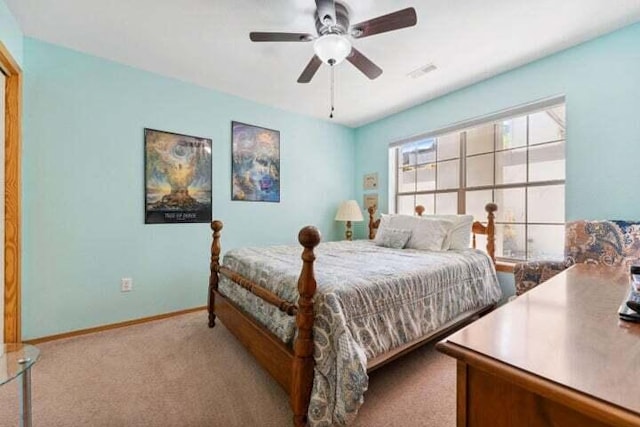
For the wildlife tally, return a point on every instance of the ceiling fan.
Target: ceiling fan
(333, 43)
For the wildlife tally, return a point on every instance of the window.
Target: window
(516, 161)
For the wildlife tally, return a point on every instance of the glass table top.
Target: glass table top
(15, 359)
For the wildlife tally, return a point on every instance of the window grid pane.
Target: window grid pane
(426, 151)
(547, 162)
(545, 242)
(481, 139)
(511, 241)
(426, 177)
(447, 203)
(511, 166)
(511, 205)
(448, 174)
(513, 134)
(406, 204)
(546, 126)
(480, 170)
(448, 146)
(407, 179)
(427, 201)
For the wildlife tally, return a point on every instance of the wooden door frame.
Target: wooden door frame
(12, 152)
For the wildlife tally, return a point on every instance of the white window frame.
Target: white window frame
(461, 127)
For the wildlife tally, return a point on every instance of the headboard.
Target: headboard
(476, 228)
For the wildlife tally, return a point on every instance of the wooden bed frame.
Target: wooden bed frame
(293, 367)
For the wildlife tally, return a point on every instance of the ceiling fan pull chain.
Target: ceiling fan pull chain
(333, 90)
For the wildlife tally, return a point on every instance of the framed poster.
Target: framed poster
(177, 178)
(370, 200)
(255, 163)
(370, 181)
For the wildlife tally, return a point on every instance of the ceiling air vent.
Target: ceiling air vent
(419, 72)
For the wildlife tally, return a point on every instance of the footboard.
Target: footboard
(292, 368)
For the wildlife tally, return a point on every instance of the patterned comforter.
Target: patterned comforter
(369, 300)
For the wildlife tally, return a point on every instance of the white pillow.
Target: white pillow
(459, 236)
(426, 234)
(403, 222)
(394, 238)
(384, 224)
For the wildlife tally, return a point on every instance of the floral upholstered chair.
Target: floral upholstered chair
(591, 242)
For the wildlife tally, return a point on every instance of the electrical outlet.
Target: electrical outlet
(126, 284)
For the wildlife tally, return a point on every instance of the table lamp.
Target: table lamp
(349, 211)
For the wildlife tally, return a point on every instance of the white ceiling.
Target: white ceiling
(207, 42)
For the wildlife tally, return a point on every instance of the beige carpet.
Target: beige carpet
(178, 372)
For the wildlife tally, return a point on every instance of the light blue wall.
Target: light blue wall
(83, 189)
(601, 81)
(10, 33)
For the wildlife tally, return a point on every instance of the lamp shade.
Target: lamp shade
(349, 211)
(332, 47)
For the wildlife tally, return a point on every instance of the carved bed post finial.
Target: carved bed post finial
(373, 224)
(491, 230)
(216, 226)
(419, 210)
(302, 374)
(371, 210)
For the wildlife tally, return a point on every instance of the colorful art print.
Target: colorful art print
(371, 200)
(255, 168)
(177, 178)
(370, 181)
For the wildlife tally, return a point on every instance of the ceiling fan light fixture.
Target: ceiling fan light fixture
(332, 48)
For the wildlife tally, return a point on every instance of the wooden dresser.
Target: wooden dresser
(556, 356)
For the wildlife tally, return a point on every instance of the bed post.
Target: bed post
(302, 370)
(371, 211)
(216, 226)
(491, 230)
(373, 224)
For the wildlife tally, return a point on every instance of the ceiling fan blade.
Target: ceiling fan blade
(364, 64)
(393, 21)
(326, 10)
(280, 37)
(310, 70)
